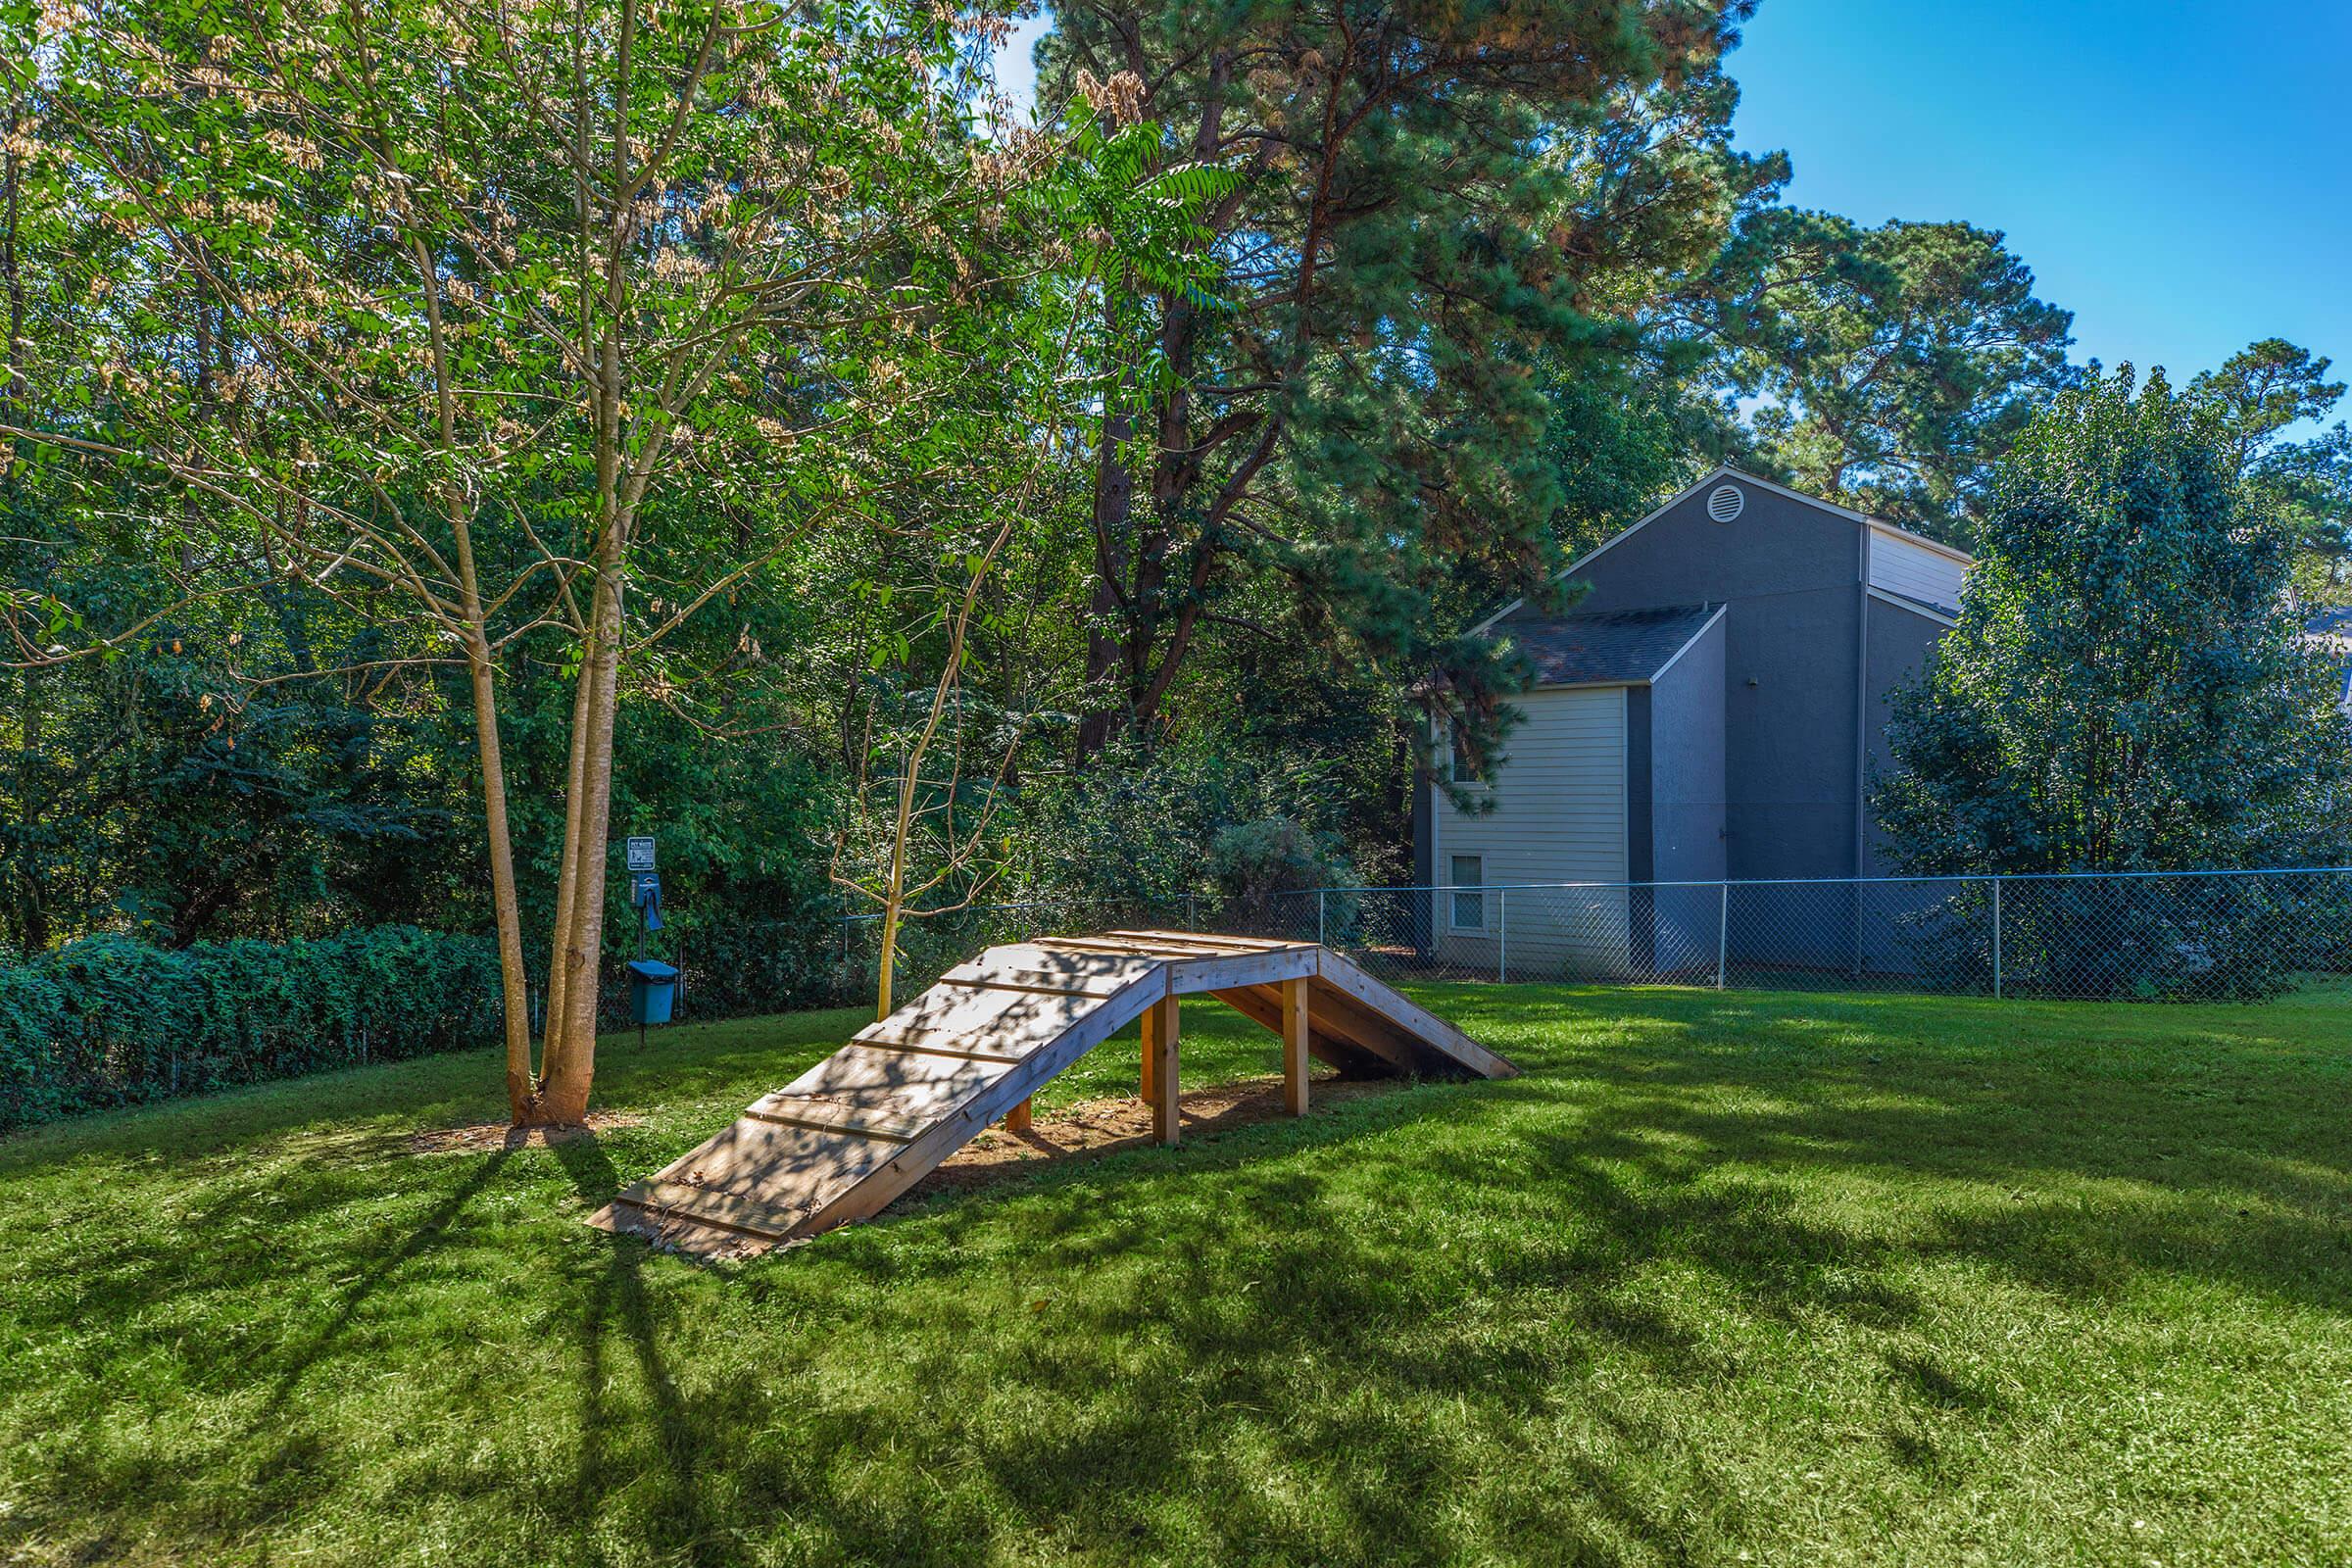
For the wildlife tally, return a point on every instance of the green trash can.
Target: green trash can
(653, 991)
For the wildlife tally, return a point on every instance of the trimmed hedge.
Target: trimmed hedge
(109, 1021)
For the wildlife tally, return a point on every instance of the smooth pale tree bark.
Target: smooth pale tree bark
(481, 672)
(567, 1059)
(456, 256)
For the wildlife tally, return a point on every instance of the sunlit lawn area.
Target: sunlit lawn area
(1725, 1278)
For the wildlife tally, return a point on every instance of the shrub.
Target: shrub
(32, 1012)
(109, 1021)
(1141, 826)
(1253, 863)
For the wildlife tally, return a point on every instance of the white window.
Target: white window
(1466, 906)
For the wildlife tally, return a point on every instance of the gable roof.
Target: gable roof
(1611, 647)
(1716, 475)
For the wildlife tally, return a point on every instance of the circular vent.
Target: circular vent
(1724, 500)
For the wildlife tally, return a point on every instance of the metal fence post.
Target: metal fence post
(1319, 896)
(1996, 939)
(1502, 934)
(1723, 931)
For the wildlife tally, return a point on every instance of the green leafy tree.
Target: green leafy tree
(497, 310)
(1896, 365)
(2123, 690)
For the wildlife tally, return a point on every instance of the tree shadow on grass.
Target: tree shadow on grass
(1698, 1161)
(1411, 1327)
(429, 1232)
(615, 1297)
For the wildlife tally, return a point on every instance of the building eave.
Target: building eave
(1722, 471)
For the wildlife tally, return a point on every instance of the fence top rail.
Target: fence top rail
(1832, 881)
(860, 918)
(910, 916)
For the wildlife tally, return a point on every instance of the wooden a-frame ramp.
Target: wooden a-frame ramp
(860, 1128)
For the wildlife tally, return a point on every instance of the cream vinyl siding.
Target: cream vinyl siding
(1908, 567)
(1559, 816)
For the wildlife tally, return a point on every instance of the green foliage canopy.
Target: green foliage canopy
(2125, 690)
(1895, 363)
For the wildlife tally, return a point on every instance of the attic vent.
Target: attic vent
(1724, 500)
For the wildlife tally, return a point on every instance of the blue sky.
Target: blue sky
(2179, 174)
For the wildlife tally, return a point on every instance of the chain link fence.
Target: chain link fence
(930, 946)
(2135, 936)
(2144, 936)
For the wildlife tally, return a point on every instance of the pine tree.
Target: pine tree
(1440, 208)
(1896, 365)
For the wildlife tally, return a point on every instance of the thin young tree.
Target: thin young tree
(491, 282)
(931, 768)
(937, 732)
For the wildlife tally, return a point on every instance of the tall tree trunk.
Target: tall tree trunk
(559, 975)
(569, 1062)
(516, 995)
(886, 967)
(482, 672)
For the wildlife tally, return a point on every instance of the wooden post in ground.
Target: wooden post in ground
(1159, 1068)
(1294, 1046)
(1149, 1094)
(1018, 1119)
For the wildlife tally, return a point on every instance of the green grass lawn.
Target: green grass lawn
(1738, 1278)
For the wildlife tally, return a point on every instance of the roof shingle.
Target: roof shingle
(1606, 648)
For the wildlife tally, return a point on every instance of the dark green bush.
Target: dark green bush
(32, 1014)
(109, 1021)
(1257, 868)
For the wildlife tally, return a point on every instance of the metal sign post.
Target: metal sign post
(644, 895)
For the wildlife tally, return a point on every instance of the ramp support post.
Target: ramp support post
(1019, 1118)
(1294, 1046)
(1159, 1068)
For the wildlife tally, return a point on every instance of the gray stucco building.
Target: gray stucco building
(1712, 707)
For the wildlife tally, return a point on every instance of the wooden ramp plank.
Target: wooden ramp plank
(702, 1206)
(1181, 940)
(938, 1043)
(1000, 1015)
(1045, 957)
(1349, 978)
(1045, 982)
(1221, 972)
(841, 1140)
(867, 1070)
(828, 1115)
(751, 1157)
